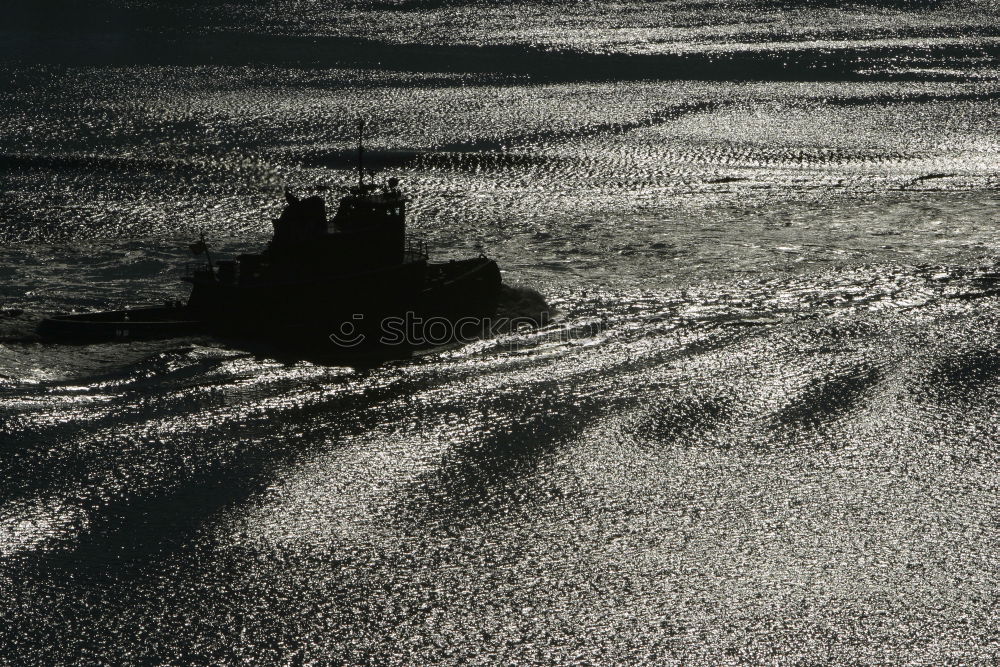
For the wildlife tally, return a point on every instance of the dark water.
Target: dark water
(762, 428)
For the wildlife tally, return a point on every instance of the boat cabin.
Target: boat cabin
(367, 233)
(364, 207)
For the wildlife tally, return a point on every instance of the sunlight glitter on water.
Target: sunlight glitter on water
(759, 430)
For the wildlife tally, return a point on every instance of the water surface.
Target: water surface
(761, 428)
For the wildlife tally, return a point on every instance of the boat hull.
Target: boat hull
(393, 307)
(451, 301)
(280, 309)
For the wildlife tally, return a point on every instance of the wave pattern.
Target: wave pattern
(761, 429)
(511, 479)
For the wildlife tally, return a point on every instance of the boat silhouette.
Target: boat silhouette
(356, 279)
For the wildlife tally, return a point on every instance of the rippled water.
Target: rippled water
(761, 428)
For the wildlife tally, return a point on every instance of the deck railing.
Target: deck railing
(415, 247)
(190, 268)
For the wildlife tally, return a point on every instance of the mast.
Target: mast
(361, 154)
(208, 255)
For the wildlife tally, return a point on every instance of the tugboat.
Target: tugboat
(355, 280)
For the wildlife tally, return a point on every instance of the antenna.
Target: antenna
(361, 154)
